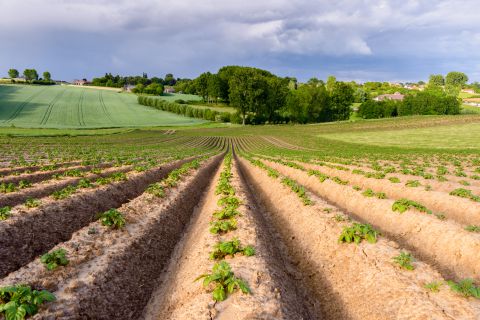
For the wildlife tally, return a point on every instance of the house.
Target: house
(80, 82)
(128, 87)
(471, 91)
(169, 90)
(397, 96)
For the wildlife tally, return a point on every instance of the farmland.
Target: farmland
(80, 108)
(286, 222)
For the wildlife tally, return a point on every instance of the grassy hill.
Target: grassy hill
(77, 107)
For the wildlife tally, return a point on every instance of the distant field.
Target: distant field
(191, 97)
(73, 107)
(456, 136)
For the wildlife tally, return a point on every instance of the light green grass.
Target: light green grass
(460, 136)
(466, 109)
(64, 107)
(172, 97)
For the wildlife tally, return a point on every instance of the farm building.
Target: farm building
(169, 90)
(471, 91)
(396, 96)
(81, 82)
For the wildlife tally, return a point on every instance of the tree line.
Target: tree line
(140, 82)
(440, 97)
(262, 97)
(31, 76)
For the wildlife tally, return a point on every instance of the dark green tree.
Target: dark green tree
(13, 73)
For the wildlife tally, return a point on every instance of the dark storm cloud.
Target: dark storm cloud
(369, 39)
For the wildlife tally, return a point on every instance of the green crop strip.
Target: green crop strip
(465, 193)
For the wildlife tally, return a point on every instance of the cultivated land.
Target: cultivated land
(78, 107)
(354, 220)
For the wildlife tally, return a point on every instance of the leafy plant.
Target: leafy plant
(465, 287)
(404, 260)
(64, 193)
(413, 183)
(321, 177)
(403, 205)
(7, 187)
(230, 201)
(84, 183)
(298, 189)
(225, 248)
(356, 188)
(358, 232)
(226, 213)
(23, 184)
(223, 226)
(224, 280)
(156, 189)
(473, 228)
(54, 259)
(465, 193)
(394, 180)
(32, 203)
(368, 193)
(340, 181)
(113, 219)
(5, 213)
(433, 286)
(19, 301)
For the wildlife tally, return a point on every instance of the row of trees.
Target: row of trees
(31, 75)
(109, 80)
(428, 102)
(188, 111)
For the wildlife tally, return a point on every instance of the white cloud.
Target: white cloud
(189, 32)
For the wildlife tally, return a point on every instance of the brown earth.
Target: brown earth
(25, 236)
(119, 281)
(273, 296)
(443, 244)
(350, 281)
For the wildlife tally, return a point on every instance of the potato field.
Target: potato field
(240, 223)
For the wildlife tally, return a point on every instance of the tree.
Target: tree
(13, 73)
(30, 74)
(247, 91)
(169, 80)
(331, 80)
(47, 76)
(456, 79)
(436, 80)
(342, 97)
(277, 91)
(201, 84)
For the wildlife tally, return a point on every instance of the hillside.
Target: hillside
(72, 107)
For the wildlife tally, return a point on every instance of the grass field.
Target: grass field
(171, 97)
(72, 107)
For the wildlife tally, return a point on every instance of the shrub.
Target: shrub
(5, 213)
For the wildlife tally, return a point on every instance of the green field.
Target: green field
(172, 97)
(72, 107)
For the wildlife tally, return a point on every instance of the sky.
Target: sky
(361, 40)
